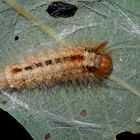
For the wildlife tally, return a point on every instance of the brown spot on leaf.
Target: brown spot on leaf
(47, 136)
(83, 113)
(4, 102)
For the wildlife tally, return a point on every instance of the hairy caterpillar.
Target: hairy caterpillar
(64, 64)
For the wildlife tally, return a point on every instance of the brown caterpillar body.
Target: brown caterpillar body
(74, 63)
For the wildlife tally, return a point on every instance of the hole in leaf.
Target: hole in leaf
(61, 9)
(16, 38)
(127, 135)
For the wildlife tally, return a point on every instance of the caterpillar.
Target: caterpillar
(63, 64)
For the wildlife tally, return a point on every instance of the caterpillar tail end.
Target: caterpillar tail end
(3, 82)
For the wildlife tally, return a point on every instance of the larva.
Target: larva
(63, 64)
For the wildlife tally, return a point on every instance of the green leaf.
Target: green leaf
(108, 109)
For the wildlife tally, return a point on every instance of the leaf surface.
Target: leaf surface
(108, 110)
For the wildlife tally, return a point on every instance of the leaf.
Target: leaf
(110, 109)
